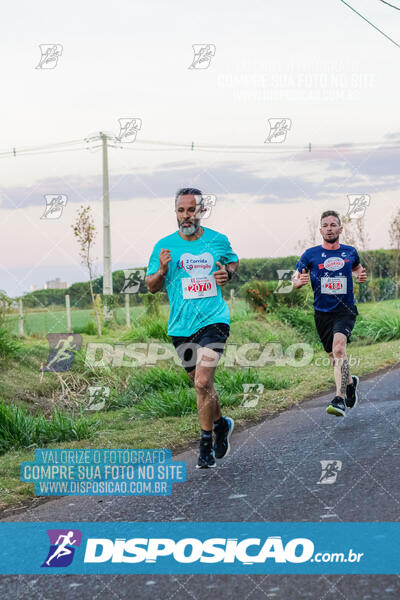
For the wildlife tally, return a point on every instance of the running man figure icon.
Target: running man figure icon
(61, 351)
(63, 347)
(62, 549)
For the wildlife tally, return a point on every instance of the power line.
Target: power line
(165, 146)
(40, 152)
(30, 149)
(388, 3)
(374, 26)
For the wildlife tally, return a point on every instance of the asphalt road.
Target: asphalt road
(270, 475)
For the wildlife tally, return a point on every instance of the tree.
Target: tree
(5, 304)
(355, 234)
(363, 241)
(348, 233)
(85, 232)
(394, 235)
(311, 239)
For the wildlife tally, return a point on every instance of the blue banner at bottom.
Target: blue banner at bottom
(187, 547)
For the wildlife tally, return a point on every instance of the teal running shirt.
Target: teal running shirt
(195, 298)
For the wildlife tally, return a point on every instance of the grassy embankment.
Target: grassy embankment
(155, 406)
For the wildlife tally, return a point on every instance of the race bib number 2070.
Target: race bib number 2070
(199, 287)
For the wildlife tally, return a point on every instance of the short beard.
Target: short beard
(332, 241)
(189, 230)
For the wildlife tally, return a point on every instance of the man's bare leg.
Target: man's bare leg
(341, 370)
(217, 411)
(209, 410)
(341, 365)
(207, 398)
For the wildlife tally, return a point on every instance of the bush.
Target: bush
(301, 320)
(378, 328)
(19, 429)
(375, 290)
(9, 347)
(90, 328)
(262, 296)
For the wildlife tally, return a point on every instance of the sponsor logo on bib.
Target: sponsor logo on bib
(334, 263)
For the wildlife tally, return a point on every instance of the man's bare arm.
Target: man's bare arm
(155, 281)
(221, 276)
(300, 279)
(360, 273)
(233, 266)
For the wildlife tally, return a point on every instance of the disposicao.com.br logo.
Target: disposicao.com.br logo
(247, 551)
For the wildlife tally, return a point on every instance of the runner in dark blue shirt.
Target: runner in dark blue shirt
(330, 267)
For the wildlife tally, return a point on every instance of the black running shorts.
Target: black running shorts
(211, 336)
(335, 321)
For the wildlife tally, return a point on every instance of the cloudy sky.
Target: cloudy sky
(316, 63)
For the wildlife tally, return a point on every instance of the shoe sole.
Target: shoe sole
(356, 393)
(228, 438)
(207, 467)
(332, 410)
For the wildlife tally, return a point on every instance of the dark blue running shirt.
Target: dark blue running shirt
(331, 275)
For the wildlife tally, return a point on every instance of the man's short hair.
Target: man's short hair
(331, 213)
(189, 192)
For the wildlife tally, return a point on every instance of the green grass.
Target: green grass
(150, 383)
(55, 321)
(157, 393)
(147, 328)
(301, 320)
(18, 429)
(378, 328)
(241, 311)
(156, 406)
(166, 404)
(369, 309)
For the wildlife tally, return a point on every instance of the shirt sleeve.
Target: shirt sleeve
(229, 255)
(154, 263)
(304, 262)
(356, 260)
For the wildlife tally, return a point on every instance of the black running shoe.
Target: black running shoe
(351, 392)
(206, 458)
(222, 436)
(337, 407)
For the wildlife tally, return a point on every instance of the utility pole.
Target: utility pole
(107, 272)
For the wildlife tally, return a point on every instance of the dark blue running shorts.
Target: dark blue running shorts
(211, 336)
(340, 320)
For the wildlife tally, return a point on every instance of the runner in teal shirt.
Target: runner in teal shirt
(194, 263)
(195, 298)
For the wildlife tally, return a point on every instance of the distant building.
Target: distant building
(33, 288)
(56, 284)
